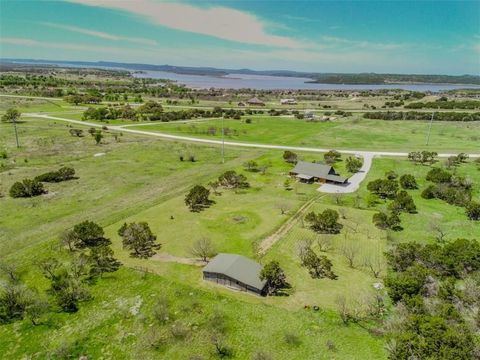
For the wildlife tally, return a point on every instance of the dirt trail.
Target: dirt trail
(165, 257)
(268, 242)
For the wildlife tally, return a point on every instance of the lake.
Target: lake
(261, 82)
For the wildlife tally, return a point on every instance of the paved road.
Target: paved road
(354, 181)
(362, 153)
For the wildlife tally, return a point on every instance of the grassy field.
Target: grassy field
(419, 226)
(135, 178)
(153, 189)
(350, 133)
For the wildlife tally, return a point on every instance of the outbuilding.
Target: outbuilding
(255, 101)
(236, 272)
(316, 172)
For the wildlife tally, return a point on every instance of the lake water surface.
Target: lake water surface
(261, 82)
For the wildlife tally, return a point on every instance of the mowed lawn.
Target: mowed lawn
(349, 133)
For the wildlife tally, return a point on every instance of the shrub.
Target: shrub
(408, 181)
(26, 188)
(63, 174)
(438, 176)
(473, 211)
(429, 192)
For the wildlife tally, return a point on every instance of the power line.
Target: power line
(429, 129)
(223, 141)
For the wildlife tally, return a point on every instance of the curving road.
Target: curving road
(353, 182)
(123, 128)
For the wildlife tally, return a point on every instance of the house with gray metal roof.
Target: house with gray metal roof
(316, 172)
(235, 271)
(255, 101)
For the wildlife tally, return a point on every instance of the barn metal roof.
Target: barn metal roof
(237, 267)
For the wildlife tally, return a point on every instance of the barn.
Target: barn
(236, 272)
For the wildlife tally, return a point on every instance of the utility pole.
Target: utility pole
(429, 129)
(16, 134)
(223, 141)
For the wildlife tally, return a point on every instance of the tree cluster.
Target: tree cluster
(435, 313)
(416, 115)
(453, 189)
(422, 157)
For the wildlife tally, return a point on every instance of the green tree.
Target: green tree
(139, 239)
(26, 188)
(11, 115)
(318, 266)
(102, 261)
(386, 189)
(290, 157)
(197, 198)
(325, 222)
(14, 299)
(408, 283)
(332, 156)
(275, 277)
(88, 234)
(408, 182)
(353, 164)
(98, 136)
(231, 180)
(403, 202)
(67, 282)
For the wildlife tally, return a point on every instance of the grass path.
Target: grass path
(268, 242)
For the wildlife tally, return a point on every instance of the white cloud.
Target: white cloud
(61, 46)
(364, 44)
(220, 22)
(100, 34)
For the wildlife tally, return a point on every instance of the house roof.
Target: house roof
(237, 267)
(255, 100)
(317, 170)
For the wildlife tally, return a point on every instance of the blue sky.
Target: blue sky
(323, 36)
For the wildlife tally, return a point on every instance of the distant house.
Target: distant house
(235, 271)
(288, 102)
(241, 103)
(308, 114)
(255, 101)
(314, 172)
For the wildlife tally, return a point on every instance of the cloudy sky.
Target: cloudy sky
(324, 36)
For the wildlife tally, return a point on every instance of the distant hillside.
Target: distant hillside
(325, 78)
(372, 78)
